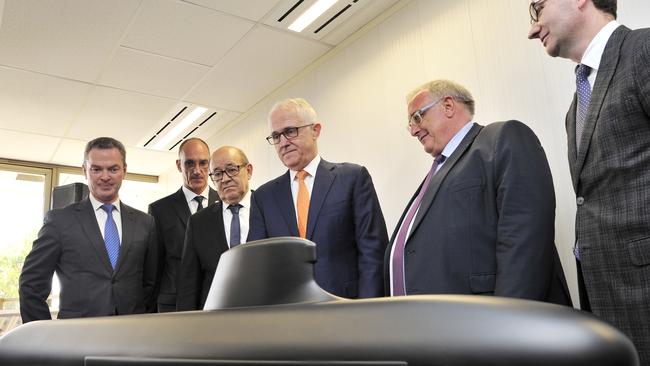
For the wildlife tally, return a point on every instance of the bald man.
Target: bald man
(172, 212)
(217, 228)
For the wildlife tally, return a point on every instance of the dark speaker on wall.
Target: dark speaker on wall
(67, 194)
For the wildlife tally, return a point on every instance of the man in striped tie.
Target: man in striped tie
(103, 251)
(482, 221)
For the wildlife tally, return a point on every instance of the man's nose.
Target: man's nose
(534, 30)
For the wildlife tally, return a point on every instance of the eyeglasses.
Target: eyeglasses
(416, 117)
(288, 133)
(231, 171)
(534, 9)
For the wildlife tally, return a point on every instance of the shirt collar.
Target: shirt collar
(245, 202)
(594, 51)
(455, 141)
(189, 195)
(97, 204)
(311, 168)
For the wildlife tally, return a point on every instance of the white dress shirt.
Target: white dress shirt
(594, 51)
(101, 215)
(191, 202)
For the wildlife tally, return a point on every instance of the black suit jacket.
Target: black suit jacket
(70, 243)
(205, 241)
(486, 224)
(171, 214)
(611, 179)
(345, 221)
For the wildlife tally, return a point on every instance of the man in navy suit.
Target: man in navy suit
(483, 220)
(332, 204)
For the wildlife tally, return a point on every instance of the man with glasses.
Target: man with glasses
(216, 228)
(608, 138)
(172, 212)
(103, 251)
(482, 222)
(333, 205)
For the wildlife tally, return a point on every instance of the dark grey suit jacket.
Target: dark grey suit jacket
(486, 223)
(205, 241)
(70, 243)
(611, 178)
(171, 214)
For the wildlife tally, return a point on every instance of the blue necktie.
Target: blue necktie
(583, 89)
(111, 236)
(235, 230)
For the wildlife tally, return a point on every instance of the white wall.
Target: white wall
(359, 92)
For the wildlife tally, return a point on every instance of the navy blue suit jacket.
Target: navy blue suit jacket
(345, 221)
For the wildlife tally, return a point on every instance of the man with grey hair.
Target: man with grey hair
(103, 251)
(482, 221)
(332, 204)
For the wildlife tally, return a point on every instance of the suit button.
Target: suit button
(113, 281)
(410, 251)
(580, 201)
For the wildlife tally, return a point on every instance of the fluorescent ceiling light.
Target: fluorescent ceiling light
(187, 120)
(311, 14)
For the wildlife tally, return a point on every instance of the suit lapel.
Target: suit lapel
(606, 70)
(86, 216)
(180, 207)
(325, 176)
(213, 196)
(128, 226)
(439, 177)
(571, 138)
(216, 211)
(284, 200)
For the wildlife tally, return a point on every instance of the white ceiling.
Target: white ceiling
(72, 70)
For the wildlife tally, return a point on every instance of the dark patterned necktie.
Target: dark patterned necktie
(583, 90)
(235, 229)
(199, 200)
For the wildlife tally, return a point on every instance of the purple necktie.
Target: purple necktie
(399, 287)
(583, 89)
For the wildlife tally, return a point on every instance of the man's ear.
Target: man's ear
(178, 165)
(316, 129)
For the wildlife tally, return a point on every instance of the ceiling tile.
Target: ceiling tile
(249, 9)
(69, 152)
(151, 74)
(13, 146)
(67, 38)
(260, 63)
(149, 161)
(185, 31)
(32, 102)
(121, 114)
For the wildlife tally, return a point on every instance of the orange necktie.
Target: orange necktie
(302, 204)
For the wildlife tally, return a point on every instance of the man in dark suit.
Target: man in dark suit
(172, 212)
(609, 156)
(483, 220)
(215, 229)
(333, 205)
(103, 251)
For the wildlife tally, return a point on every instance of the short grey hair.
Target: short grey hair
(301, 107)
(445, 88)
